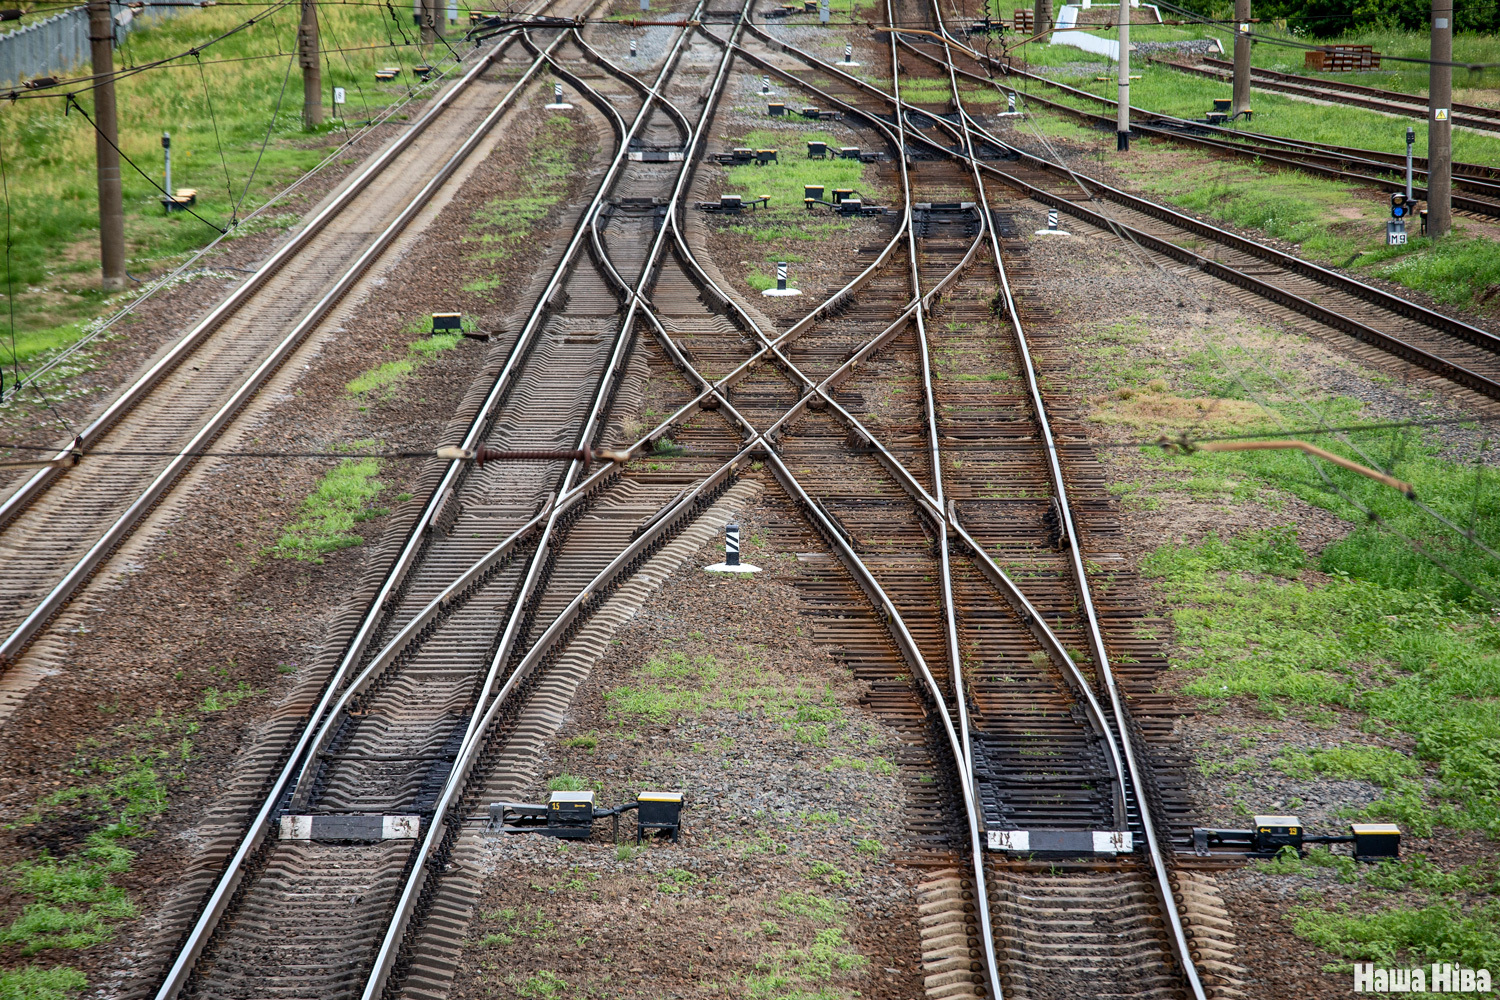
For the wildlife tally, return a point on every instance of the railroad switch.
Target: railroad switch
(447, 323)
(765, 156)
(571, 815)
(644, 153)
(737, 157)
(1271, 835)
(733, 204)
(775, 109)
(817, 150)
(985, 27)
(819, 115)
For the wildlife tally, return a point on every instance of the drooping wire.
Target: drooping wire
(317, 12)
(228, 185)
(270, 127)
(73, 104)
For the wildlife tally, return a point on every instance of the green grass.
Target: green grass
(1381, 643)
(49, 156)
(1169, 91)
(391, 373)
(36, 983)
(500, 229)
(673, 685)
(330, 513)
(784, 180)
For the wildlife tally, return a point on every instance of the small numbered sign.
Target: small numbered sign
(338, 95)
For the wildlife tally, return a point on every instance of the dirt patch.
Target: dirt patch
(783, 879)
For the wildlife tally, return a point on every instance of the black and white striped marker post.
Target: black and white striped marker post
(558, 104)
(765, 85)
(848, 59)
(781, 289)
(731, 563)
(632, 48)
(1052, 229)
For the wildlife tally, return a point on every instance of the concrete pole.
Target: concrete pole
(312, 69)
(106, 144)
(1439, 123)
(1241, 56)
(1122, 119)
(1041, 17)
(432, 21)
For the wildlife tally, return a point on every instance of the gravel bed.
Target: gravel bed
(779, 836)
(206, 608)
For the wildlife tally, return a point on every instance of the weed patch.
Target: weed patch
(36, 983)
(1411, 660)
(330, 513)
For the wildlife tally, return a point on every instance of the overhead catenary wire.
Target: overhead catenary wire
(73, 104)
(1121, 231)
(187, 267)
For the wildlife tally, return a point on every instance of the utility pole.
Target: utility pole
(1439, 125)
(106, 147)
(1041, 17)
(432, 21)
(312, 68)
(1241, 56)
(1122, 119)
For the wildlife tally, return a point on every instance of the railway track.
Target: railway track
(965, 516)
(1476, 187)
(59, 526)
(1390, 102)
(1453, 349)
(420, 713)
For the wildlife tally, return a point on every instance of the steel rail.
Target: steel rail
(122, 526)
(1102, 665)
(1386, 300)
(1395, 96)
(1416, 107)
(255, 834)
(1329, 317)
(29, 490)
(478, 729)
(1472, 171)
(1241, 143)
(1096, 639)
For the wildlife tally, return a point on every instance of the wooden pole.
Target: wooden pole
(1241, 56)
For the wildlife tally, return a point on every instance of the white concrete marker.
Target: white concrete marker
(731, 563)
(1052, 229)
(558, 104)
(848, 59)
(781, 290)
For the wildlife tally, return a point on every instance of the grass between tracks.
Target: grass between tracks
(1469, 87)
(1331, 222)
(69, 895)
(237, 137)
(1391, 628)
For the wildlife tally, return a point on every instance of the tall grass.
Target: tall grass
(235, 119)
